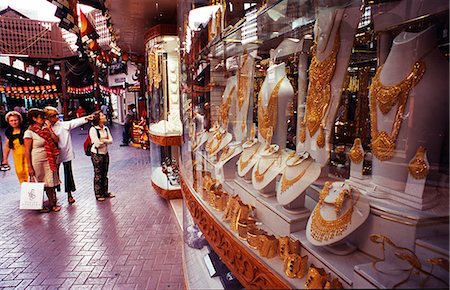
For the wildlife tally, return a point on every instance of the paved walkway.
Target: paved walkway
(128, 242)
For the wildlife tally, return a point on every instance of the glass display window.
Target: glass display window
(325, 122)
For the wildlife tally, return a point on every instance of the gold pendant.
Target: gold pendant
(355, 154)
(418, 168)
(321, 138)
(383, 146)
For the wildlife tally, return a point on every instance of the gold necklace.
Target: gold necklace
(287, 183)
(227, 153)
(224, 108)
(268, 117)
(298, 158)
(242, 82)
(383, 143)
(319, 93)
(322, 229)
(418, 168)
(355, 154)
(244, 164)
(259, 176)
(218, 137)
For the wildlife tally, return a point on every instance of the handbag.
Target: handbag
(32, 195)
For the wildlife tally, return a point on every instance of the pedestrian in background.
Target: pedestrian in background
(41, 153)
(14, 142)
(100, 137)
(81, 112)
(66, 155)
(128, 125)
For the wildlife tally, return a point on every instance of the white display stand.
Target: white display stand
(226, 168)
(332, 22)
(269, 166)
(307, 171)
(248, 158)
(160, 179)
(360, 213)
(275, 75)
(423, 125)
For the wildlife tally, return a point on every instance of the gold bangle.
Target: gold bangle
(253, 239)
(295, 266)
(268, 246)
(316, 279)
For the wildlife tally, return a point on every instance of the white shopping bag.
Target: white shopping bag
(32, 195)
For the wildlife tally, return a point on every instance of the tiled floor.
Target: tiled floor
(128, 242)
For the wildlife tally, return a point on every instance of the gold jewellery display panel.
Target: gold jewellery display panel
(327, 113)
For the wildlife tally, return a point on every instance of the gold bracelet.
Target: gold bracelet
(295, 266)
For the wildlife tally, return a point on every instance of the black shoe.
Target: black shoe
(122, 145)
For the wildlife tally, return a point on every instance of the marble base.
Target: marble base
(341, 267)
(367, 277)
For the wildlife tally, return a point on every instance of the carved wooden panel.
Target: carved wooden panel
(166, 140)
(166, 193)
(249, 270)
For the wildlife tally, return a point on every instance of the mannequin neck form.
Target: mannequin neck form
(274, 74)
(326, 29)
(408, 47)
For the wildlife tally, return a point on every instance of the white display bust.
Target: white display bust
(355, 207)
(300, 172)
(335, 23)
(272, 161)
(426, 107)
(276, 74)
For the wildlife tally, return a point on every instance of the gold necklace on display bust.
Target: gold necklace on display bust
(385, 97)
(268, 117)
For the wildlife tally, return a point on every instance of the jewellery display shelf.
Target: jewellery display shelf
(165, 129)
(330, 131)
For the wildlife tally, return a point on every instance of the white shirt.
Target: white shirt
(100, 147)
(62, 130)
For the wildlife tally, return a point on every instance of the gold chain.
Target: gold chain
(322, 229)
(268, 117)
(259, 176)
(225, 106)
(355, 154)
(287, 183)
(217, 137)
(319, 93)
(418, 168)
(242, 82)
(227, 153)
(383, 143)
(244, 164)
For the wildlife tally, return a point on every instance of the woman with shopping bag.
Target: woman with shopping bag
(41, 154)
(14, 143)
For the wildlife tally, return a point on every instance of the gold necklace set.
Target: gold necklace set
(259, 176)
(322, 229)
(385, 97)
(225, 107)
(242, 82)
(319, 93)
(217, 140)
(267, 118)
(287, 183)
(154, 69)
(356, 154)
(227, 153)
(245, 163)
(418, 168)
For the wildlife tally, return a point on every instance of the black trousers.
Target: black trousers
(69, 183)
(126, 136)
(101, 165)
